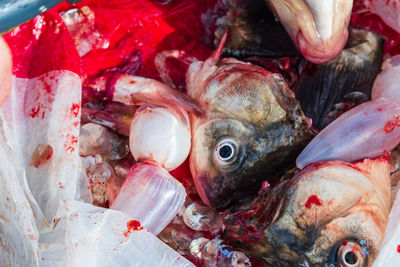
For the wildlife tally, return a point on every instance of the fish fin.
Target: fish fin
(216, 55)
(322, 86)
(135, 90)
(161, 65)
(200, 71)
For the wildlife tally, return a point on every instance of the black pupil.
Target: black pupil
(350, 257)
(225, 151)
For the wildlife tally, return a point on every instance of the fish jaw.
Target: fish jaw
(318, 28)
(307, 218)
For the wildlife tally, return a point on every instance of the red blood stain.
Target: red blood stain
(76, 124)
(398, 248)
(70, 144)
(313, 199)
(133, 225)
(344, 243)
(34, 112)
(265, 185)
(69, 149)
(390, 125)
(132, 82)
(74, 139)
(61, 186)
(75, 109)
(379, 109)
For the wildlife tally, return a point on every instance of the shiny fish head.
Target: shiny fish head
(252, 129)
(318, 28)
(330, 214)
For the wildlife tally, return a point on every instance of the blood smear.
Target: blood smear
(133, 225)
(313, 199)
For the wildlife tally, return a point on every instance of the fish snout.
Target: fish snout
(320, 51)
(329, 33)
(318, 28)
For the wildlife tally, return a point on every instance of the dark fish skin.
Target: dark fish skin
(330, 214)
(252, 31)
(323, 86)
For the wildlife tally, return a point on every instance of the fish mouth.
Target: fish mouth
(322, 51)
(213, 195)
(318, 28)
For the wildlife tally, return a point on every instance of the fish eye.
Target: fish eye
(226, 151)
(350, 254)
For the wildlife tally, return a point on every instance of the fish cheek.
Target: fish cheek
(356, 228)
(217, 157)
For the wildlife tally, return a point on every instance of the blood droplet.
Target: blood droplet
(390, 125)
(75, 109)
(313, 199)
(265, 185)
(133, 225)
(398, 248)
(34, 113)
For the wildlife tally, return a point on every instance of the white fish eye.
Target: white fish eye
(226, 151)
(350, 254)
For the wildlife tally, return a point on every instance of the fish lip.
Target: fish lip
(200, 181)
(211, 197)
(324, 52)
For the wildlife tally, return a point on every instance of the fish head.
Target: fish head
(329, 214)
(318, 28)
(252, 126)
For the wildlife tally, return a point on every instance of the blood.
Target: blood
(344, 243)
(265, 185)
(398, 248)
(34, 112)
(391, 125)
(313, 199)
(133, 225)
(75, 109)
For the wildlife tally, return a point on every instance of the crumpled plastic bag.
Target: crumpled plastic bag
(43, 217)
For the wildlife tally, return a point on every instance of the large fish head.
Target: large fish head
(317, 27)
(331, 214)
(252, 128)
